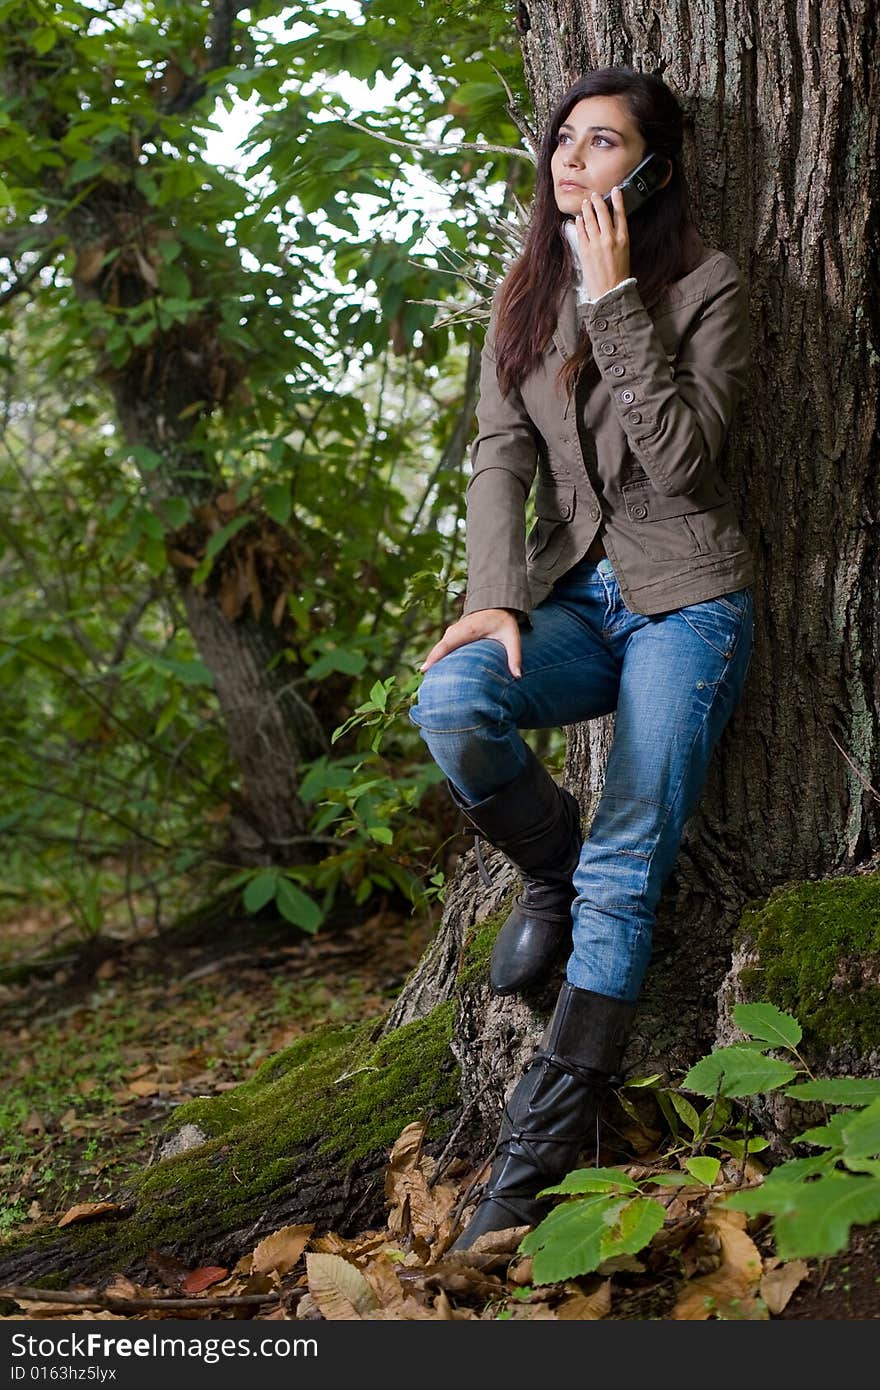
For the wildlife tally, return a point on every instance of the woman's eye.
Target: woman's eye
(562, 137)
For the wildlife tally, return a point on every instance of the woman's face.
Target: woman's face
(598, 144)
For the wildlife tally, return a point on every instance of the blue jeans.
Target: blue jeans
(673, 678)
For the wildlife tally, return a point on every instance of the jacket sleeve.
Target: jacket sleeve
(504, 460)
(675, 423)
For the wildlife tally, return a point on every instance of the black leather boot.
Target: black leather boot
(537, 825)
(553, 1111)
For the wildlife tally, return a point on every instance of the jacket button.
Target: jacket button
(601, 324)
(640, 512)
(565, 509)
(627, 397)
(608, 347)
(634, 417)
(594, 513)
(617, 369)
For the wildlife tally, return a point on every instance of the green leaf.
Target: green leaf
(735, 1147)
(350, 663)
(215, 545)
(669, 1114)
(594, 1180)
(219, 538)
(379, 694)
(154, 555)
(189, 672)
(797, 1169)
(685, 1111)
(768, 1023)
(260, 890)
(176, 510)
(146, 459)
(644, 1080)
(830, 1135)
(298, 907)
(741, 1071)
(43, 38)
(568, 1242)
(814, 1218)
(382, 834)
(841, 1090)
(861, 1133)
(639, 1221)
(277, 501)
(704, 1169)
(863, 1165)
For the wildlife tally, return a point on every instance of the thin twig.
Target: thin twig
(23, 281)
(741, 1175)
(439, 146)
(707, 1127)
(861, 776)
(91, 1298)
(465, 1115)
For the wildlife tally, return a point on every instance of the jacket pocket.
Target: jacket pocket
(554, 509)
(676, 528)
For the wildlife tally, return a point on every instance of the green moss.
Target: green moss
(330, 1102)
(818, 956)
(478, 943)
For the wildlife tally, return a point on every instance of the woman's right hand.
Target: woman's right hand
(500, 623)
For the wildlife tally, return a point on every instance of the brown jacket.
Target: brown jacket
(632, 457)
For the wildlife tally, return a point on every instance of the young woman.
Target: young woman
(616, 352)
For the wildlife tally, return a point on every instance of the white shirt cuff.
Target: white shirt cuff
(583, 297)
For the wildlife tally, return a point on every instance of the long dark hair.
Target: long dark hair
(664, 240)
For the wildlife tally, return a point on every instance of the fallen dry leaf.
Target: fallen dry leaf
(86, 1211)
(521, 1272)
(415, 1207)
(380, 1272)
(470, 1280)
(354, 1249)
(145, 1087)
(732, 1286)
(442, 1307)
(586, 1306)
(527, 1312)
(406, 1309)
(281, 1250)
(779, 1283)
(197, 1280)
(490, 1243)
(339, 1290)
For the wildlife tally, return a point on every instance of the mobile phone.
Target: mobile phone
(640, 183)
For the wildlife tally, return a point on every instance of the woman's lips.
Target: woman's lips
(570, 183)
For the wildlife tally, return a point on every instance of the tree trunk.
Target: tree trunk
(161, 390)
(782, 800)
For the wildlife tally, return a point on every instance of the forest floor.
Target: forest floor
(97, 1052)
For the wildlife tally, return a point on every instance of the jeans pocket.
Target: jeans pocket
(719, 620)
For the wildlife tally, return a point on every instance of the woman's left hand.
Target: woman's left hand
(604, 244)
